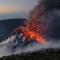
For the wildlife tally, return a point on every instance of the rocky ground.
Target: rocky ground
(44, 54)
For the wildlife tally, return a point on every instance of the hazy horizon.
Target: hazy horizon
(15, 8)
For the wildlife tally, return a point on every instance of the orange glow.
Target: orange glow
(7, 9)
(34, 35)
(12, 9)
(34, 29)
(37, 37)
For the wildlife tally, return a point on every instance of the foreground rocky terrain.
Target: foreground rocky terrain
(44, 54)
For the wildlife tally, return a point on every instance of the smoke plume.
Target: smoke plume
(37, 25)
(41, 20)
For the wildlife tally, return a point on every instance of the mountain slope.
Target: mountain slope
(6, 26)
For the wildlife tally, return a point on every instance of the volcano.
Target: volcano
(34, 33)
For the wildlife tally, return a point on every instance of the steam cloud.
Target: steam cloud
(6, 47)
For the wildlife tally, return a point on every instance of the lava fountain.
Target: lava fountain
(37, 25)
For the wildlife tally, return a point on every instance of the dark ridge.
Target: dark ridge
(45, 54)
(7, 26)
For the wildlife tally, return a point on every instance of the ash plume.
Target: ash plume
(42, 18)
(37, 25)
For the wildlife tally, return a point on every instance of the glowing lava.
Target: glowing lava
(33, 35)
(37, 37)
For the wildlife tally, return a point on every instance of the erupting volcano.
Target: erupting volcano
(37, 25)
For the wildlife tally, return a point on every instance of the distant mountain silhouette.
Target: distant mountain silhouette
(6, 26)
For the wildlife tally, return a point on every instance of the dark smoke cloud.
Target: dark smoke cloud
(53, 6)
